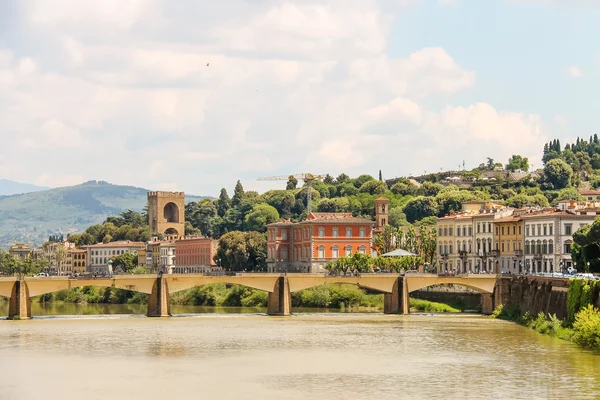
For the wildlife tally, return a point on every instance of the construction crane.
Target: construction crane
(306, 177)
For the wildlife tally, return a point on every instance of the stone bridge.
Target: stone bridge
(279, 286)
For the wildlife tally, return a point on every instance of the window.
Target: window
(362, 250)
(441, 249)
(514, 229)
(450, 231)
(284, 255)
(321, 233)
(445, 231)
(450, 247)
(545, 229)
(551, 229)
(464, 230)
(284, 234)
(497, 231)
(470, 231)
(567, 248)
(502, 230)
(539, 229)
(445, 248)
(362, 232)
(470, 248)
(458, 231)
(479, 227)
(478, 247)
(334, 252)
(503, 246)
(550, 247)
(489, 227)
(519, 229)
(568, 229)
(348, 251)
(440, 231)
(335, 233)
(527, 247)
(527, 230)
(348, 232)
(544, 247)
(321, 252)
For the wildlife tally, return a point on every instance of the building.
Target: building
(465, 238)
(167, 256)
(98, 255)
(20, 250)
(166, 212)
(508, 243)
(382, 209)
(308, 245)
(194, 255)
(590, 195)
(77, 260)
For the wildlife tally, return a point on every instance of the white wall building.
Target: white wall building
(98, 255)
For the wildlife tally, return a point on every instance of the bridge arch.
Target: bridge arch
(179, 282)
(481, 285)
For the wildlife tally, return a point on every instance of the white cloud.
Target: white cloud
(575, 72)
(121, 91)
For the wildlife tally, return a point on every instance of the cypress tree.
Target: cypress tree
(238, 194)
(223, 203)
(596, 138)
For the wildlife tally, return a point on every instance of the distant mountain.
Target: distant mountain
(8, 187)
(30, 218)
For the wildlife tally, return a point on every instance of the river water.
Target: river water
(304, 356)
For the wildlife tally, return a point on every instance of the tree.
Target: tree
(558, 173)
(389, 239)
(517, 162)
(238, 194)
(419, 208)
(361, 180)
(397, 218)
(430, 189)
(240, 251)
(206, 218)
(82, 239)
(292, 183)
(404, 189)
(569, 193)
(223, 203)
(260, 216)
(126, 261)
(427, 243)
(490, 163)
(373, 187)
(342, 178)
(328, 179)
(380, 176)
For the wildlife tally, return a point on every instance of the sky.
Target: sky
(193, 95)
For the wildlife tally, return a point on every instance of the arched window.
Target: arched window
(527, 247)
(539, 247)
(544, 247)
(470, 247)
(321, 251)
(171, 213)
(362, 249)
(349, 251)
(551, 246)
(335, 252)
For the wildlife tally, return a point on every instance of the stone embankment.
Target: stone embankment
(533, 295)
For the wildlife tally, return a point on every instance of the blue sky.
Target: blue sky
(120, 90)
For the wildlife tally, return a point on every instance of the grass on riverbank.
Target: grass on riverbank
(585, 330)
(431, 306)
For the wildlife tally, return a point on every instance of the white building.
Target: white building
(98, 255)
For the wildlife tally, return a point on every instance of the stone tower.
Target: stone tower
(381, 213)
(166, 213)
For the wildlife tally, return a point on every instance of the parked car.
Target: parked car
(41, 274)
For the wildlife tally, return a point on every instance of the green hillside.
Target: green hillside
(32, 217)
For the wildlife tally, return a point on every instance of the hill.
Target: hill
(30, 218)
(8, 187)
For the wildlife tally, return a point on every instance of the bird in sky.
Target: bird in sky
(208, 64)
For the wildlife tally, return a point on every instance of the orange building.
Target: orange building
(308, 245)
(194, 255)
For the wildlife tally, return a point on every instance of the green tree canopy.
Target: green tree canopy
(420, 207)
(260, 216)
(558, 173)
(517, 162)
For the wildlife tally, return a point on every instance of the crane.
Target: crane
(306, 177)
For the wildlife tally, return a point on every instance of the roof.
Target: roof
(383, 199)
(508, 219)
(590, 192)
(398, 253)
(335, 217)
(325, 218)
(121, 243)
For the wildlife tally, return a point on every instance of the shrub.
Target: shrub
(586, 328)
(431, 306)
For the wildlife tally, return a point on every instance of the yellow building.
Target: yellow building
(20, 250)
(509, 242)
(78, 260)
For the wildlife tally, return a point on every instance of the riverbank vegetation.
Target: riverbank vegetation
(582, 325)
(431, 306)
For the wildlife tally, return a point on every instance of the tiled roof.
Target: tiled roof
(335, 217)
(508, 219)
(122, 243)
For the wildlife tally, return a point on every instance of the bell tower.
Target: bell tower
(166, 213)
(381, 213)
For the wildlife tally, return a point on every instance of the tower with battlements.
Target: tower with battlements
(382, 205)
(166, 213)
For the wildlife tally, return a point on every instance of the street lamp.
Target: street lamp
(588, 267)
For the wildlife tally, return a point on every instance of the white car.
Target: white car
(41, 275)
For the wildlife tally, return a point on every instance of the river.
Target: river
(304, 356)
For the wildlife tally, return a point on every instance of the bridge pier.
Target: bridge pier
(19, 304)
(397, 301)
(158, 300)
(280, 299)
(487, 303)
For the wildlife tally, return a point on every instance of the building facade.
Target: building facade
(166, 212)
(194, 255)
(20, 250)
(508, 243)
(308, 245)
(99, 255)
(78, 261)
